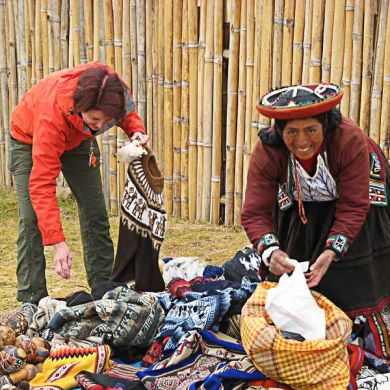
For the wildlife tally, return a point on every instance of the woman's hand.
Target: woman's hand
(141, 137)
(63, 260)
(319, 268)
(280, 263)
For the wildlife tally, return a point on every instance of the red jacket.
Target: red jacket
(46, 119)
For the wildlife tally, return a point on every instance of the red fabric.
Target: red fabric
(46, 119)
(348, 156)
(356, 360)
(310, 164)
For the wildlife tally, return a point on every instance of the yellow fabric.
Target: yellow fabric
(64, 363)
(319, 364)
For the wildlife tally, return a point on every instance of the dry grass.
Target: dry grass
(210, 242)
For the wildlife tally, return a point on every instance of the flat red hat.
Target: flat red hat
(299, 101)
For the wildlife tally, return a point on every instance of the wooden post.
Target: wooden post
(367, 66)
(44, 38)
(336, 71)
(316, 42)
(327, 41)
(177, 82)
(149, 20)
(184, 116)
(347, 64)
(231, 111)
(217, 114)
(208, 112)
(21, 50)
(357, 47)
(377, 83)
(278, 44)
(307, 41)
(75, 32)
(241, 114)
(63, 37)
(89, 29)
(141, 77)
(385, 113)
(133, 48)
(288, 35)
(299, 25)
(31, 15)
(168, 102)
(27, 29)
(193, 108)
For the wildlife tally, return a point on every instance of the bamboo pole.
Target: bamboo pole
(357, 47)
(184, 116)
(208, 112)
(64, 35)
(288, 35)
(4, 94)
(265, 66)
(168, 102)
(200, 116)
(217, 114)
(110, 60)
(367, 66)
(56, 10)
(3, 167)
(160, 92)
(89, 37)
(193, 109)
(21, 50)
(231, 110)
(96, 30)
(50, 38)
(377, 82)
(31, 15)
(44, 38)
(316, 42)
(71, 37)
(250, 20)
(83, 47)
(299, 24)
(177, 82)
(118, 12)
(307, 46)
(241, 113)
(327, 41)
(278, 44)
(385, 113)
(347, 64)
(27, 43)
(154, 49)
(11, 59)
(75, 31)
(133, 49)
(141, 97)
(149, 13)
(336, 71)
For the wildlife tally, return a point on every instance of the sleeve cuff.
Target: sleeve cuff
(266, 241)
(338, 244)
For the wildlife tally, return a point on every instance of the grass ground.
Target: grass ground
(210, 242)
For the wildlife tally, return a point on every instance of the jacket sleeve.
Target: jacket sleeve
(352, 185)
(260, 195)
(48, 146)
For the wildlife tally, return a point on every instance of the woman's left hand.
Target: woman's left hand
(141, 137)
(319, 268)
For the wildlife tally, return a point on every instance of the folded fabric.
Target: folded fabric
(47, 308)
(64, 363)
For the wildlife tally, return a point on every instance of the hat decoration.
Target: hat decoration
(299, 101)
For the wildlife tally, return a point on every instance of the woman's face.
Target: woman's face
(95, 119)
(303, 137)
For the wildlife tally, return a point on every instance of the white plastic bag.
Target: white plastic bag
(293, 308)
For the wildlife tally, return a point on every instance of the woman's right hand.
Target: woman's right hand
(62, 260)
(280, 263)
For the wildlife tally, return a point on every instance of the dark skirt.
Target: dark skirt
(360, 282)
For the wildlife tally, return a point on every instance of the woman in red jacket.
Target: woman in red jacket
(331, 184)
(53, 128)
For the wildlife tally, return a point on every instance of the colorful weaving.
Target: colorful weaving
(318, 364)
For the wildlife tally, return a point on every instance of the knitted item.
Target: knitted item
(142, 226)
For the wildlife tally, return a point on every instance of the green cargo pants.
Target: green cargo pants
(86, 185)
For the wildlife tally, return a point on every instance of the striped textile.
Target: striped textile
(319, 364)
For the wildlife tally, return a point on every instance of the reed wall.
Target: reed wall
(196, 69)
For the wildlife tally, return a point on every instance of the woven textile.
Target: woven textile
(64, 363)
(319, 364)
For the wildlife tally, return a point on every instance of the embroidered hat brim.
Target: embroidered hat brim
(301, 101)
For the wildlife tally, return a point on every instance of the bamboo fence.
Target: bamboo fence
(196, 69)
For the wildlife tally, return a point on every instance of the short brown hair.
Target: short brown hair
(98, 89)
